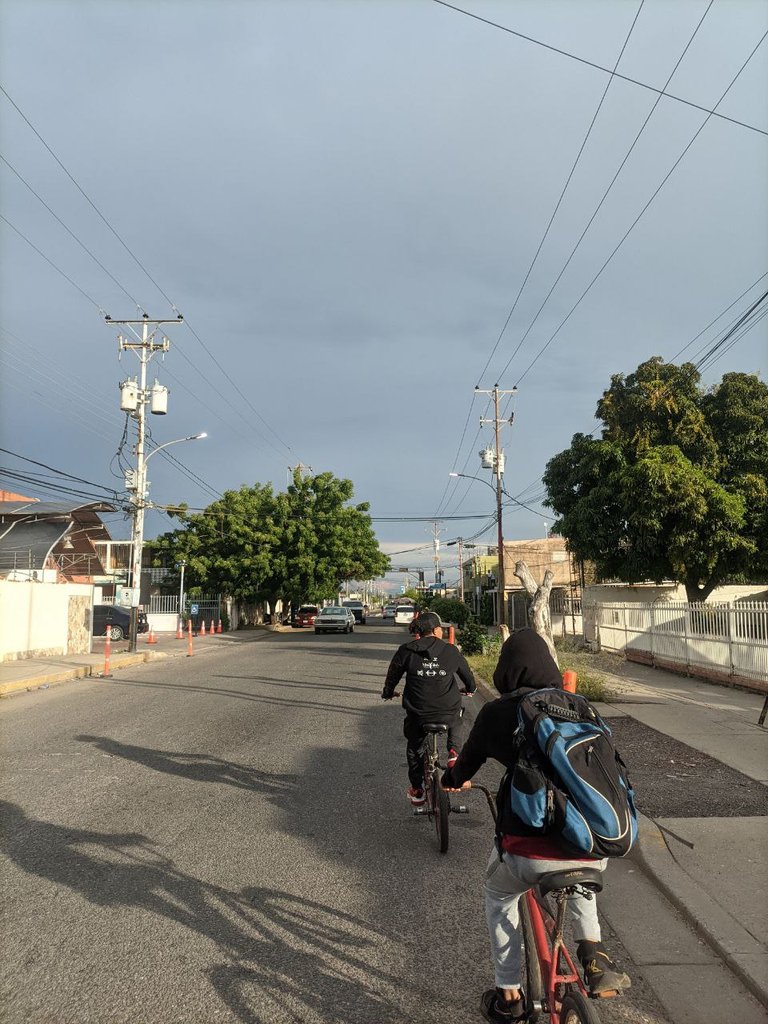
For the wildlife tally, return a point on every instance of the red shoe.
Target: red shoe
(416, 795)
(452, 758)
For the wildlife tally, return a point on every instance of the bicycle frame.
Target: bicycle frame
(558, 971)
(557, 967)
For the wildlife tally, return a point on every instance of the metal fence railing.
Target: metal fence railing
(718, 640)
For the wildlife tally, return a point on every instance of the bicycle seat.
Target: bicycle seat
(434, 727)
(586, 878)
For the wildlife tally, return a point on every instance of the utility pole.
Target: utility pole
(436, 531)
(134, 398)
(498, 468)
(461, 570)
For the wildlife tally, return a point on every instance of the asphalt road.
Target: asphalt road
(226, 838)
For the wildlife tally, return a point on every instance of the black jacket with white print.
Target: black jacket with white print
(435, 674)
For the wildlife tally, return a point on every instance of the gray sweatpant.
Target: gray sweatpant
(505, 882)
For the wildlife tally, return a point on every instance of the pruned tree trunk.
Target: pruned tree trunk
(538, 605)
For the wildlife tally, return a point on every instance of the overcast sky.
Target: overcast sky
(343, 199)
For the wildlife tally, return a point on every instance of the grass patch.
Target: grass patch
(483, 665)
(591, 682)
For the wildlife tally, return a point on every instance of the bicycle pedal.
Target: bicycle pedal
(461, 809)
(419, 810)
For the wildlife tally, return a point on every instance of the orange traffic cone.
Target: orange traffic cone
(212, 630)
(151, 639)
(202, 628)
(179, 633)
(570, 680)
(218, 628)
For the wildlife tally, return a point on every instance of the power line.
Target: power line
(565, 189)
(58, 472)
(599, 67)
(605, 194)
(50, 261)
(87, 198)
(536, 256)
(142, 267)
(69, 231)
(664, 180)
(718, 317)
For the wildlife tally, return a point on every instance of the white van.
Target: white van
(404, 614)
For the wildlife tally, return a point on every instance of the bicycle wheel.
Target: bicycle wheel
(535, 984)
(442, 807)
(577, 1009)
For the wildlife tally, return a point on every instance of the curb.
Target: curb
(79, 672)
(728, 938)
(123, 660)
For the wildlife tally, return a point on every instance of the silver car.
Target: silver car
(335, 620)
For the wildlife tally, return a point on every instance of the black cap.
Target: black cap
(426, 623)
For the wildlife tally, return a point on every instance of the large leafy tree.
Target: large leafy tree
(677, 485)
(296, 545)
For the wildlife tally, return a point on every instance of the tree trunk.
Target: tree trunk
(696, 593)
(538, 606)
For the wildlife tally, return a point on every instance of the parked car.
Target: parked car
(119, 620)
(358, 609)
(305, 616)
(335, 620)
(404, 614)
(388, 611)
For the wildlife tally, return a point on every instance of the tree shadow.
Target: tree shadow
(197, 767)
(281, 950)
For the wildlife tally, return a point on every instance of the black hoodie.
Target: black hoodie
(525, 664)
(433, 670)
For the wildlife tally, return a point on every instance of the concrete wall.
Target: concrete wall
(44, 619)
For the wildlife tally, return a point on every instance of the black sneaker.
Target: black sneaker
(498, 1010)
(602, 976)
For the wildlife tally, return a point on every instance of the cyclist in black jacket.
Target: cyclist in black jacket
(525, 664)
(434, 672)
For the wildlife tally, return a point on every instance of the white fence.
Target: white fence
(716, 641)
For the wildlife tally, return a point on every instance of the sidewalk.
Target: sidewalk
(713, 869)
(40, 673)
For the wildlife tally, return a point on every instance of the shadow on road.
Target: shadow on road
(197, 767)
(282, 951)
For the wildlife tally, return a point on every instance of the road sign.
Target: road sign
(194, 609)
(124, 597)
(403, 570)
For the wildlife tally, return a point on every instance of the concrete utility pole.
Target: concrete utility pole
(498, 468)
(134, 398)
(436, 531)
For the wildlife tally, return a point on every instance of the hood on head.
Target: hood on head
(525, 660)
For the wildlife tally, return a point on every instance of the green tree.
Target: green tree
(296, 545)
(676, 487)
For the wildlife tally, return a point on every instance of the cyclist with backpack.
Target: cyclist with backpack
(434, 672)
(534, 817)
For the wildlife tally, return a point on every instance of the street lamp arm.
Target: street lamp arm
(468, 476)
(192, 437)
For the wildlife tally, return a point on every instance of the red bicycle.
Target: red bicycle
(554, 985)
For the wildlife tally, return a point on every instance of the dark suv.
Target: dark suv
(358, 610)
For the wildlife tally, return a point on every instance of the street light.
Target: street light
(138, 528)
(501, 592)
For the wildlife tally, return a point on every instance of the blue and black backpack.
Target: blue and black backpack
(568, 780)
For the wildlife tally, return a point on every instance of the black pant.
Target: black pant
(415, 736)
